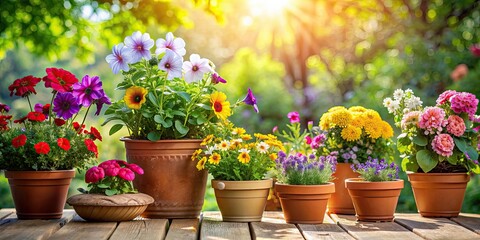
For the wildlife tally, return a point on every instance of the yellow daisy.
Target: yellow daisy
(135, 97)
(246, 137)
(223, 145)
(214, 158)
(238, 131)
(243, 157)
(208, 139)
(351, 133)
(196, 153)
(201, 163)
(220, 105)
(372, 114)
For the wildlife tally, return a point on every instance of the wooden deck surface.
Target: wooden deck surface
(210, 226)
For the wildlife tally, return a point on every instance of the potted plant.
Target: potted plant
(168, 107)
(354, 134)
(238, 164)
(111, 196)
(439, 147)
(40, 150)
(375, 194)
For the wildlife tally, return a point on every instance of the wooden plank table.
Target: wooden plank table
(210, 226)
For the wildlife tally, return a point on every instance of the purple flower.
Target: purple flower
(88, 90)
(195, 68)
(251, 100)
(294, 117)
(65, 105)
(216, 79)
(177, 45)
(4, 108)
(138, 46)
(103, 100)
(119, 59)
(172, 64)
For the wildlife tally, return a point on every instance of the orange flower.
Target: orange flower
(135, 97)
(220, 106)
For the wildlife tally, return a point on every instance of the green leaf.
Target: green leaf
(154, 136)
(185, 96)
(403, 135)
(103, 185)
(472, 153)
(115, 128)
(420, 140)
(179, 113)
(158, 119)
(183, 130)
(110, 192)
(461, 144)
(152, 98)
(138, 75)
(201, 120)
(204, 106)
(426, 160)
(453, 159)
(147, 114)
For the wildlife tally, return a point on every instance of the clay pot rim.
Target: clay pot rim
(438, 177)
(69, 173)
(242, 185)
(77, 200)
(360, 183)
(435, 174)
(127, 139)
(327, 188)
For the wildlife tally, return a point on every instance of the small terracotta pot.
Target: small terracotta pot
(374, 201)
(116, 208)
(171, 177)
(438, 194)
(304, 203)
(242, 201)
(39, 194)
(340, 202)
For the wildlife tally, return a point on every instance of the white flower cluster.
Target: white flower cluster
(403, 101)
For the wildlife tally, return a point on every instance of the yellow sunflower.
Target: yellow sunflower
(208, 139)
(351, 133)
(201, 163)
(196, 153)
(135, 97)
(214, 158)
(220, 105)
(387, 131)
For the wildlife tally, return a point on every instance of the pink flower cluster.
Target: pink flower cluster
(432, 120)
(112, 168)
(410, 119)
(443, 144)
(317, 141)
(456, 125)
(460, 102)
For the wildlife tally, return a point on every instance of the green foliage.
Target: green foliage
(313, 176)
(375, 170)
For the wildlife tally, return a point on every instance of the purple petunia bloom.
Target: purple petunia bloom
(103, 100)
(119, 59)
(216, 79)
(177, 45)
(4, 108)
(251, 100)
(138, 46)
(195, 68)
(65, 105)
(172, 64)
(89, 90)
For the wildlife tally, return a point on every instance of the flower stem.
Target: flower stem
(85, 117)
(29, 103)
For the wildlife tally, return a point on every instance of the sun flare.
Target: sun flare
(268, 7)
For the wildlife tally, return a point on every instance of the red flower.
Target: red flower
(3, 121)
(95, 134)
(59, 122)
(475, 50)
(36, 116)
(135, 168)
(19, 141)
(91, 146)
(42, 148)
(21, 120)
(63, 143)
(111, 168)
(24, 86)
(59, 79)
(94, 174)
(77, 128)
(126, 174)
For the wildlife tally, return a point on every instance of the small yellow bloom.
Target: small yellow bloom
(238, 131)
(235, 143)
(246, 137)
(358, 109)
(273, 156)
(214, 158)
(201, 163)
(135, 97)
(208, 139)
(196, 153)
(351, 133)
(387, 131)
(220, 105)
(244, 158)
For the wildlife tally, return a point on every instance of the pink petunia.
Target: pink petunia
(432, 120)
(443, 145)
(456, 125)
(294, 117)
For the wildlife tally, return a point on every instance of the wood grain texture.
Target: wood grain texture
(5, 212)
(213, 228)
(434, 228)
(79, 229)
(327, 230)
(273, 226)
(183, 229)
(373, 230)
(470, 221)
(151, 229)
(11, 228)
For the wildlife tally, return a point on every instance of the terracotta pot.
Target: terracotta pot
(438, 194)
(242, 201)
(39, 194)
(171, 177)
(340, 202)
(374, 201)
(304, 203)
(116, 208)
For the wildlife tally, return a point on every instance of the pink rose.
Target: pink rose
(456, 125)
(135, 168)
(294, 117)
(94, 174)
(443, 145)
(126, 174)
(111, 167)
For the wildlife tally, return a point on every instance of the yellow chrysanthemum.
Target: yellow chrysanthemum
(372, 114)
(357, 121)
(341, 118)
(357, 109)
(135, 97)
(214, 158)
(196, 153)
(201, 163)
(373, 128)
(208, 139)
(220, 105)
(387, 130)
(273, 156)
(325, 121)
(336, 108)
(351, 133)
(244, 158)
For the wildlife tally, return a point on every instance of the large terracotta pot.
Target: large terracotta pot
(304, 203)
(438, 194)
(340, 202)
(242, 201)
(39, 194)
(374, 201)
(171, 177)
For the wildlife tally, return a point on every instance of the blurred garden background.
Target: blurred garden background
(302, 55)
